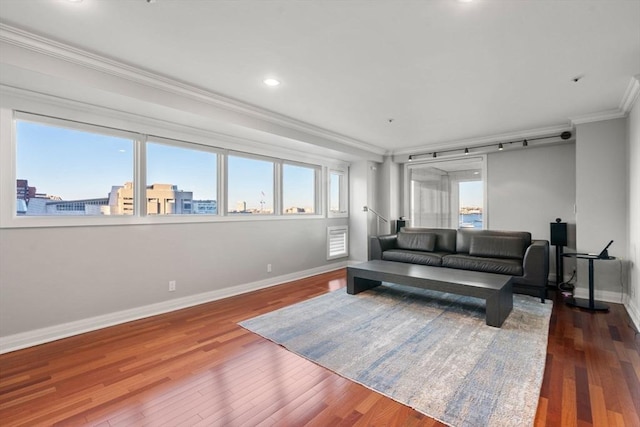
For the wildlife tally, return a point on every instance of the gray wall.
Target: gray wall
(529, 188)
(601, 198)
(50, 276)
(633, 213)
(359, 221)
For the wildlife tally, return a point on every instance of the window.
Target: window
(447, 193)
(63, 170)
(299, 189)
(181, 180)
(71, 173)
(337, 193)
(250, 184)
(470, 200)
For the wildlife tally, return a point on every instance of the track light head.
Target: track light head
(565, 135)
(466, 151)
(500, 147)
(434, 155)
(525, 143)
(410, 157)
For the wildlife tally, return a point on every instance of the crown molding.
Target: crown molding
(597, 117)
(630, 95)
(626, 104)
(150, 126)
(64, 52)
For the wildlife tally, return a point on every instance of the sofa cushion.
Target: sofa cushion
(417, 241)
(445, 240)
(497, 247)
(512, 267)
(464, 236)
(413, 257)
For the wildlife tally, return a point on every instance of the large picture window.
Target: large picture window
(70, 173)
(250, 184)
(447, 193)
(299, 185)
(65, 171)
(181, 180)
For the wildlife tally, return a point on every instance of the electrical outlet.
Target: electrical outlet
(172, 285)
(268, 268)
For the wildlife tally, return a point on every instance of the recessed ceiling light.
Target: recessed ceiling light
(271, 82)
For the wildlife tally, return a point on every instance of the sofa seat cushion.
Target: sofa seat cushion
(413, 257)
(512, 267)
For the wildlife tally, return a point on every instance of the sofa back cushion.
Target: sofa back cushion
(497, 247)
(465, 235)
(417, 241)
(445, 237)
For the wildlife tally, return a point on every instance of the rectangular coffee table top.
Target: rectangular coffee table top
(477, 279)
(495, 289)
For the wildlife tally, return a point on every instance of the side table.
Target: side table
(588, 304)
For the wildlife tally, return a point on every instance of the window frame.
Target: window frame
(11, 219)
(176, 143)
(102, 121)
(276, 187)
(343, 193)
(317, 188)
(407, 190)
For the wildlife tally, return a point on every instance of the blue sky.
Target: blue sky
(75, 165)
(471, 193)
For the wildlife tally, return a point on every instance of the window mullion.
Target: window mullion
(140, 177)
(223, 183)
(277, 193)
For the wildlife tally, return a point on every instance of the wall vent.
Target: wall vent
(337, 242)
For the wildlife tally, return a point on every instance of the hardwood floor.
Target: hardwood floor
(197, 367)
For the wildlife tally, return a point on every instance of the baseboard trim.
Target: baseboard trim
(633, 312)
(52, 333)
(613, 297)
(605, 296)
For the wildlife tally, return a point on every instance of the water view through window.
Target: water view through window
(447, 193)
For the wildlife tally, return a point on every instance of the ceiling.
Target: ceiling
(395, 75)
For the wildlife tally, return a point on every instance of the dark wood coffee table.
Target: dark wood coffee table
(495, 289)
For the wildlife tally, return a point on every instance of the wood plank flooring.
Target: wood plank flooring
(196, 367)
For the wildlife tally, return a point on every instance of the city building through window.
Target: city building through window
(72, 169)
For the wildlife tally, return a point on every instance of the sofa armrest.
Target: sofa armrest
(536, 264)
(379, 244)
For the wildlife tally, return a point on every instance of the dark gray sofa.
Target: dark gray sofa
(504, 252)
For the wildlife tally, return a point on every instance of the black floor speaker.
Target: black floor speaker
(559, 233)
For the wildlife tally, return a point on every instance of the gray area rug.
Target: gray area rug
(428, 350)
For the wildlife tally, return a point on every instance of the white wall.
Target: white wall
(390, 199)
(633, 213)
(529, 188)
(358, 219)
(601, 198)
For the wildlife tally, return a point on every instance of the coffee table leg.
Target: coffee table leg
(499, 306)
(358, 284)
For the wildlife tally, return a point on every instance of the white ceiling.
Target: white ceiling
(443, 70)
